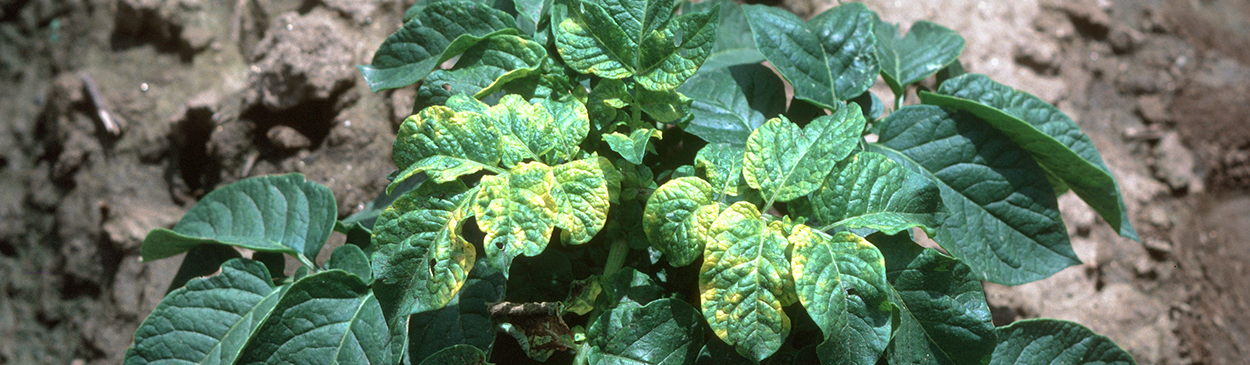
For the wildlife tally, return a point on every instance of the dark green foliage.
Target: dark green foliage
(625, 182)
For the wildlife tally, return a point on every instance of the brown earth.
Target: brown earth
(208, 92)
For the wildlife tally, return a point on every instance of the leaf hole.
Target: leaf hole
(677, 38)
(852, 291)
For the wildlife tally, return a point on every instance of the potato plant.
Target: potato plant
(627, 182)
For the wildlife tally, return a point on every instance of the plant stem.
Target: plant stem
(616, 257)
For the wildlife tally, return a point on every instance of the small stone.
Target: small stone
(1124, 39)
(1174, 164)
(1153, 110)
(287, 138)
(1157, 245)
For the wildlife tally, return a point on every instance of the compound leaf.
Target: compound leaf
(925, 50)
(731, 102)
(679, 217)
(279, 213)
(581, 195)
(616, 39)
(868, 190)
(785, 162)
(1004, 220)
(436, 33)
(516, 212)
(829, 59)
(420, 259)
(208, 320)
(745, 281)
(326, 318)
(666, 331)
(1052, 341)
(944, 316)
(1049, 135)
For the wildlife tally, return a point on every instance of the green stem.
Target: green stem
(616, 257)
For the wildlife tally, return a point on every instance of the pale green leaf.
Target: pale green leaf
(527, 129)
(449, 131)
(816, 278)
(1049, 135)
(785, 162)
(745, 281)
(1052, 341)
(439, 168)
(581, 195)
(861, 336)
(634, 146)
(925, 50)
(665, 106)
(721, 163)
(209, 320)
(676, 221)
(435, 34)
(516, 212)
(420, 259)
(483, 69)
(729, 103)
(616, 39)
(1004, 219)
(326, 318)
(828, 59)
(571, 123)
(868, 190)
(278, 213)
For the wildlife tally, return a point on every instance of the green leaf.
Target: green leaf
(784, 162)
(516, 212)
(279, 213)
(745, 281)
(868, 190)
(581, 195)
(925, 50)
(326, 318)
(678, 219)
(732, 47)
(1051, 137)
(438, 32)
(457, 355)
(420, 259)
(731, 102)
(203, 260)
(944, 316)
(841, 280)
(465, 320)
(530, 13)
(352, 259)
(634, 146)
(527, 129)
(441, 130)
(828, 59)
(616, 39)
(570, 124)
(439, 168)
(1004, 219)
(722, 164)
(1052, 341)
(666, 331)
(628, 288)
(665, 106)
(483, 69)
(208, 320)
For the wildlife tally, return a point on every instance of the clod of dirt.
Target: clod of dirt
(360, 11)
(302, 58)
(287, 138)
(1089, 19)
(1174, 164)
(179, 24)
(1153, 110)
(129, 220)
